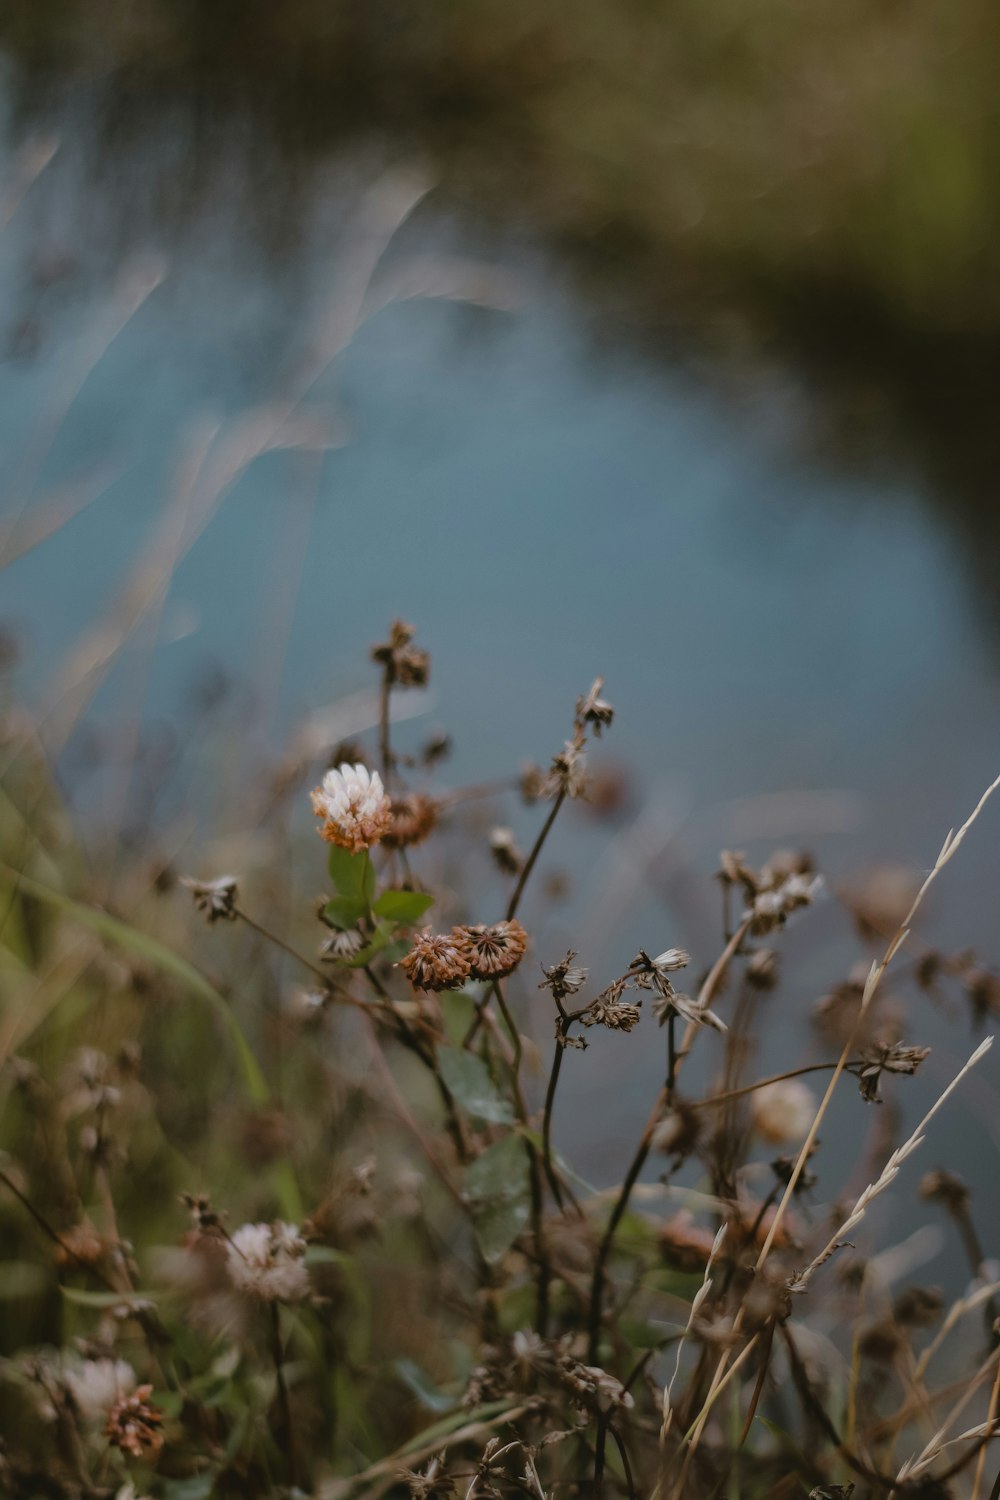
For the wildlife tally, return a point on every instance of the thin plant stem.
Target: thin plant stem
(529, 863)
(273, 938)
(283, 1398)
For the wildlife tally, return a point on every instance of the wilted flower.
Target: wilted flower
(563, 978)
(567, 774)
(81, 1245)
(609, 1010)
(354, 807)
(771, 906)
(678, 1132)
(439, 962)
(265, 1261)
(946, 1188)
(413, 818)
(883, 1057)
(592, 709)
(593, 1388)
(783, 1111)
(493, 952)
(670, 960)
(341, 946)
(134, 1423)
(762, 969)
(97, 1384)
(505, 852)
(683, 1005)
(216, 898)
(404, 664)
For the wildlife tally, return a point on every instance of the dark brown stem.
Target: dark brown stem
(623, 1454)
(283, 1399)
(617, 1214)
(550, 1099)
(529, 863)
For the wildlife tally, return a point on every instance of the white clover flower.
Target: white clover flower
(266, 1261)
(97, 1384)
(355, 809)
(783, 1111)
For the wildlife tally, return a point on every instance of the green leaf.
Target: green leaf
(104, 1299)
(161, 957)
(353, 874)
(416, 1381)
(468, 1078)
(458, 1009)
(499, 1193)
(345, 911)
(403, 906)
(113, 930)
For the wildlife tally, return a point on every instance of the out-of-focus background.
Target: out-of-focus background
(660, 342)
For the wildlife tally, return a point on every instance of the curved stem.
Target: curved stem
(529, 863)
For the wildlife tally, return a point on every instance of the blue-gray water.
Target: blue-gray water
(545, 505)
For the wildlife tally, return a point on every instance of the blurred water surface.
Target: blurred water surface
(796, 647)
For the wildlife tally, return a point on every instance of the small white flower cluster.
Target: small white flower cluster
(96, 1384)
(354, 806)
(266, 1261)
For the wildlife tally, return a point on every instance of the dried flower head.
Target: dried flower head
(341, 946)
(592, 709)
(563, 978)
(783, 1111)
(610, 1010)
(762, 969)
(438, 962)
(355, 810)
(413, 819)
(677, 1134)
(493, 952)
(567, 775)
(134, 1424)
(506, 855)
(216, 898)
(654, 973)
(885, 1057)
(404, 664)
(946, 1188)
(266, 1261)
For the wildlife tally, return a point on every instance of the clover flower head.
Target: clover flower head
(354, 807)
(266, 1261)
(97, 1384)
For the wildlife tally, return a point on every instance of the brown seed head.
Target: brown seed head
(493, 952)
(413, 818)
(134, 1423)
(438, 962)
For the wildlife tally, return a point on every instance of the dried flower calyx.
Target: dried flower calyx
(610, 1010)
(654, 973)
(216, 898)
(134, 1423)
(354, 807)
(593, 709)
(563, 978)
(883, 1057)
(404, 664)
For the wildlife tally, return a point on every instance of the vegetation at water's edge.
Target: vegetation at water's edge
(284, 1203)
